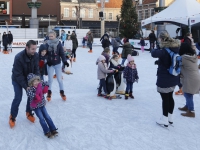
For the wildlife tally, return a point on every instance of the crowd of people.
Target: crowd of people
(30, 69)
(6, 41)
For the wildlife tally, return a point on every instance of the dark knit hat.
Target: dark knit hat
(31, 77)
(42, 47)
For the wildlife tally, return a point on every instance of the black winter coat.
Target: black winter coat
(55, 59)
(152, 37)
(5, 40)
(164, 78)
(142, 42)
(105, 43)
(23, 65)
(10, 38)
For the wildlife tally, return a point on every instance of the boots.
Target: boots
(49, 135)
(30, 116)
(189, 114)
(49, 95)
(179, 92)
(183, 108)
(170, 119)
(163, 121)
(11, 121)
(90, 51)
(54, 132)
(126, 95)
(63, 95)
(74, 60)
(131, 95)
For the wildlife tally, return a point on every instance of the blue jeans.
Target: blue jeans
(18, 90)
(45, 120)
(102, 84)
(115, 50)
(129, 87)
(90, 46)
(189, 101)
(123, 61)
(58, 71)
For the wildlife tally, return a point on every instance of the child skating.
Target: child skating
(142, 43)
(130, 76)
(37, 103)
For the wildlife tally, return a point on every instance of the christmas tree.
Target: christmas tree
(128, 19)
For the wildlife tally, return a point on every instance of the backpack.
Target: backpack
(176, 61)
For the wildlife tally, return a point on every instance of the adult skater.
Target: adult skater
(127, 49)
(190, 78)
(103, 37)
(54, 55)
(63, 37)
(90, 41)
(25, 62)
(10, 39)
(74, 45)
(165, 81)
(152, 40)
(5, 41)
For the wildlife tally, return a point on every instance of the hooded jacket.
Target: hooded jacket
(127, 49)
(164, 78)
(10, 38)
(190, 77)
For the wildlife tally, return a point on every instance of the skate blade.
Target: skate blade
(162, 125)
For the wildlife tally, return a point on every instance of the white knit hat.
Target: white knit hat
(101, 57)
(130, 58)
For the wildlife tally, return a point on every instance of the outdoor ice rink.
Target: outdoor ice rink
(88, 122)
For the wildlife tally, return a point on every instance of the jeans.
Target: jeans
(102, 84)
(45, 120)
(167, 103)
(123, 61)
(90, 46)
(129, 87)
(18, 90)
(58, 71)
(152, 45)
(115, 50)
(189, 101)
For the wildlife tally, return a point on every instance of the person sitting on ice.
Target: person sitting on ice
(43, 61)
(130, 76)
(37, 103)
(101, 75)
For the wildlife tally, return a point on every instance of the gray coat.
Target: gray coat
(190, 77)
(102, 71)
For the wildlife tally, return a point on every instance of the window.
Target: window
(140, 15)
(66, 12)
(110, 16)
(74, 1)
(146, 13)
(73, 12)
(104, 15)
(90, 13)
(82, 13)
(152, 12)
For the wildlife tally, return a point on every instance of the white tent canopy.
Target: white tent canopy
(178, 12)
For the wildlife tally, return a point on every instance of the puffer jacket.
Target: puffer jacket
(190, 77)
(127, 49)
(130, 74)
(102, 70)
(164, 78)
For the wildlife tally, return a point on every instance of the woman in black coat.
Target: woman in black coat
(10, 38)
(105, 43)
(5, 41)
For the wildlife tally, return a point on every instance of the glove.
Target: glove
(49, 64)
(137, 80)
(41, 64)
(124, 80)
(45, 89)
(66, 63)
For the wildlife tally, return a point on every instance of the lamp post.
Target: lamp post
(102, 19)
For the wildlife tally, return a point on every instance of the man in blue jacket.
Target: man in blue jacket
(63, 37)
(25, 62)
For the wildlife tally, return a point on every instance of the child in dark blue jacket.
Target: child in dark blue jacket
(142, 43)
(43, 61)
(130, 76)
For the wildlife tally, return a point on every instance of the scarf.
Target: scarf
(131, 66)
(53, 45)
(115, 63)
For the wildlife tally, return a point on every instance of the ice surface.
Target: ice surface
(88, 122)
